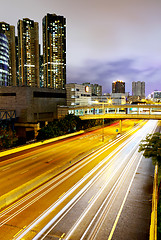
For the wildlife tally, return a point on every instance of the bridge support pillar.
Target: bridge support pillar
(150, 111)
(120, 126)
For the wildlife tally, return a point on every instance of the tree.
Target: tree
(7, 137)
(50, 131)
(69, 124)
(152, 147)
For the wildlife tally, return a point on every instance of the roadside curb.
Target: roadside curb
(153, 225)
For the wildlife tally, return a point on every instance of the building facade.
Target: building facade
(17, 62)
(118, 87)
(28, 53)
(78, 94)
(138, 90)
(54, 51)
(95, 88)
(4, 60)
(41, 71)
(156, 96)
(9, 31)
(118, 98)
(34, 106)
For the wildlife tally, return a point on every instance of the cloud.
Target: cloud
(104, 73)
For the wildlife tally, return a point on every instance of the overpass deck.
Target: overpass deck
(103, 110)
(122, 116)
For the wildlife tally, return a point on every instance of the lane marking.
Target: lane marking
(62, 236)
(24, 171)
(6, 169)
(62, 194)
(19, 231)
(90, 199)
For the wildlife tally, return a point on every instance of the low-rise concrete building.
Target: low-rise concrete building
(101, 98)
(78, 94)
(118, 98)
(156, 96)
(34, 106)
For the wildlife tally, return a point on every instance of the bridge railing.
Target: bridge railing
(104, 109)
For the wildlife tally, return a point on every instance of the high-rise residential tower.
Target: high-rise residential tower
(9, 31)
(138, 89)
(118, 87)
(28, 53)
(54, 51)
(4, 60)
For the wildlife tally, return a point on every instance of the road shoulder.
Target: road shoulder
(134, 222)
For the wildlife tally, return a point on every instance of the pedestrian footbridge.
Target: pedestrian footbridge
(103, 110)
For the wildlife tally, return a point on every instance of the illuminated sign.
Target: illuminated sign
(86, 89)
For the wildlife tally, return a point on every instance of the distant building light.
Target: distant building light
(86, 89)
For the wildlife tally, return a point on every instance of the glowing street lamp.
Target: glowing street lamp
(109, 101)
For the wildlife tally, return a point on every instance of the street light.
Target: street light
(109, 101)
(103, 104)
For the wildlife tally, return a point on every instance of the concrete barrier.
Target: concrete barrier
(25, 188)
(37, 144)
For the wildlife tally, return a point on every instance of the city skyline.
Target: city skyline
(105, 41)
(32, 68)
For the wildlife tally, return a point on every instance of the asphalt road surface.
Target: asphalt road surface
(97, 198)
(23, 167)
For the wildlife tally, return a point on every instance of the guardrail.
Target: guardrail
(153, 225)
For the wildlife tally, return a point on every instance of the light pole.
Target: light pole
(103, 119)
(109, 102)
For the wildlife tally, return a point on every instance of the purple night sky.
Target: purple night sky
(106, 39)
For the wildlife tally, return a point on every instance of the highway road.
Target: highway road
(25, 166)
(83, 202)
